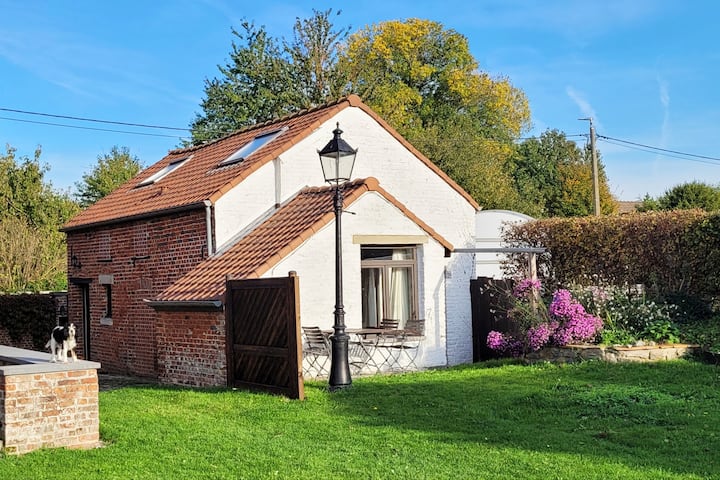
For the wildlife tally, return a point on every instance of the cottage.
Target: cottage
(147, 264)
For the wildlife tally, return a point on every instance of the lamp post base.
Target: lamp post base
(339, 367)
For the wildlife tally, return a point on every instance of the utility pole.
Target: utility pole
(595, 176)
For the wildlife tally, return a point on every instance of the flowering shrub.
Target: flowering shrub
(575, 324)
(563, 322)
(504, 343)
(630, 316)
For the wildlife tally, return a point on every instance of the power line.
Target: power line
(90, 128)
(685, 154)
(655, 150)
(566, 136)
(83, 119)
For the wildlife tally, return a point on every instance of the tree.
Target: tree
(416, 73)
(648, 204)
(424, 81)
(267, 78)
(554, 177)
(685, 196)
(32, 250)
(314, 55)
(112, 170)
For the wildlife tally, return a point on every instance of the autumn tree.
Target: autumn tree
(422, 78)
(112, 170)
(32, 250)
(554, 177)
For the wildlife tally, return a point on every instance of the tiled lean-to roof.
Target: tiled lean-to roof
(200, 180)
(261, 249)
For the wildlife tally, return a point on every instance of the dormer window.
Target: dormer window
(163, 172)
(252, 146)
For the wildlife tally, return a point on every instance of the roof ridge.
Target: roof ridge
(352, 99)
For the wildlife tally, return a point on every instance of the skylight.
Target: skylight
(252, 146)
(162, 172)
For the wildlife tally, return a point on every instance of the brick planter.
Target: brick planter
(45, 404)
(574, 353)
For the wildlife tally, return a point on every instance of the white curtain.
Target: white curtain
(400, 292)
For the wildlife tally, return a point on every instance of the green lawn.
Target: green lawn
(585, 421)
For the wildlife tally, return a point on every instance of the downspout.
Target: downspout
(208, 226)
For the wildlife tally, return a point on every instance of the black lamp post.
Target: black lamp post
(337, 159)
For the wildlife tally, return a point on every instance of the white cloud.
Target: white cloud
(584, 105)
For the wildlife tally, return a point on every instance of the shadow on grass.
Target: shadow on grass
(664, 415)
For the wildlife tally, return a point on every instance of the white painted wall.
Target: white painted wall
(244, 204)
(405, 177)
(373, 216)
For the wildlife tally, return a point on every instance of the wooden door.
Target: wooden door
(263, 335)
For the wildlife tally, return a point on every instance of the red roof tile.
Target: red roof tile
(199, 180)
(260, 250)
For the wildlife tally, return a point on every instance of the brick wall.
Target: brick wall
(191, 348)
(139, 260)
(52, 409)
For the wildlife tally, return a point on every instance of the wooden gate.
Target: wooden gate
(263, 335)
(490, 302)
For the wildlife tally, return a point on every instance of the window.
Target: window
(108, 301)
(251, 147)
(107, 281)
(173, 165)
(389, 284)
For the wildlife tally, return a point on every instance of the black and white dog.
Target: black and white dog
(61, 342)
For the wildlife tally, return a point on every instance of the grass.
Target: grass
(496, 420)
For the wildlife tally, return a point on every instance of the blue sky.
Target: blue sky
(645, 70)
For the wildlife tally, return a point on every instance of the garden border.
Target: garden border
(612, 353)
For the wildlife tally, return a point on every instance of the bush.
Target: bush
(675, 252)
(30, 314)
(563, 322)
(629, 315)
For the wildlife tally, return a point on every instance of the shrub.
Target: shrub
(563, 322)
(629, 315)
(28, 314)
(676, 252)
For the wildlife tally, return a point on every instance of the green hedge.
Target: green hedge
(675, 252)
(30, 314)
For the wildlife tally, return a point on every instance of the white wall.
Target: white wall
(409, 180)
(244, 204)
(373, 216)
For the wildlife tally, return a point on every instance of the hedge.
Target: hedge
(28, 315)
(675, 252)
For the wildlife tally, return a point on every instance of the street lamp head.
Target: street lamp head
(337, 159)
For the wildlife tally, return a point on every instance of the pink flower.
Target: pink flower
(575, 324)
(526, 287)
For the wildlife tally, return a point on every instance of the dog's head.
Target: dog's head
(71, 330)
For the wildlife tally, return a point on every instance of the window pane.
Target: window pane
(372, 295)
(402, 254)
(373, 253)
(400, 294)
(376, 253)
(252, 146)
